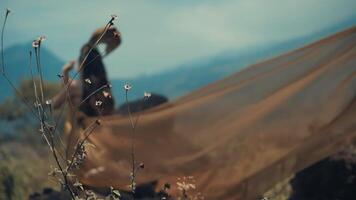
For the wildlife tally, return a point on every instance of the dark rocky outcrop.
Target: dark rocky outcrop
(329, 179)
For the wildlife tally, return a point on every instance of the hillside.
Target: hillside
(17, 66)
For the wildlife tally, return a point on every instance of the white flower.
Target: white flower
(35, 44)
(147, 95)
(98, 103)
(87, 80)
(127, 87)
(106, 94)
(113, 17)
(41, 38)
(49, 102)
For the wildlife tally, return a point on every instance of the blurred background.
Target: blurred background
(168, 47)
(164, 40)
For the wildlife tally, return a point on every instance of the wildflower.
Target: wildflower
(186, 183)
(185, 186)
(41, 38)
(35, 44)
(78, 185)
(98, 103)
(113, 16)
(49, 102)
(80, 156)
(147, 95)
(114, 194)
(106, 94)
(87, 80)
(142, 165)
(127, 87)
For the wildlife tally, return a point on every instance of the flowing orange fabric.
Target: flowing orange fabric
(240, 135)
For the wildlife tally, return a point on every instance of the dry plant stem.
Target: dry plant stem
(81, 143)
(91, 94)
(48, 132)
(39, 69)
(64, 174)
(44, 128)
(133, 174)
(23, 99)
(2, 42)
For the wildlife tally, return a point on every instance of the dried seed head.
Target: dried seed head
(127, 87)
(113, 17)
(106, 94)
(147, 95)
(88, 80)
(49, 102)
(98, 103)
(98, 121)
(41, 38)
(35, 44)
(142, 165)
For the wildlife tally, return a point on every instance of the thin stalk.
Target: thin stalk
(133, 164)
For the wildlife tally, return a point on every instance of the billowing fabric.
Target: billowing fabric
(240, 135)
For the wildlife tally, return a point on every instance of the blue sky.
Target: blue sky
(161, 34)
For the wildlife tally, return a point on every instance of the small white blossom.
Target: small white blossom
(98, 103)
(35, 44)
(113, 16)
(147, 95)
(87, 80)
(41, 38)
(49, 102)
(127, 87)
(106, 94)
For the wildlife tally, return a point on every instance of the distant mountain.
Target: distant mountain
(171, 83)
(17, 66)
(191, 76)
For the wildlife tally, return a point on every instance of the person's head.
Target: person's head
(111, 38)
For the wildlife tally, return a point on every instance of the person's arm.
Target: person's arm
(60, 98)
(66, 69)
